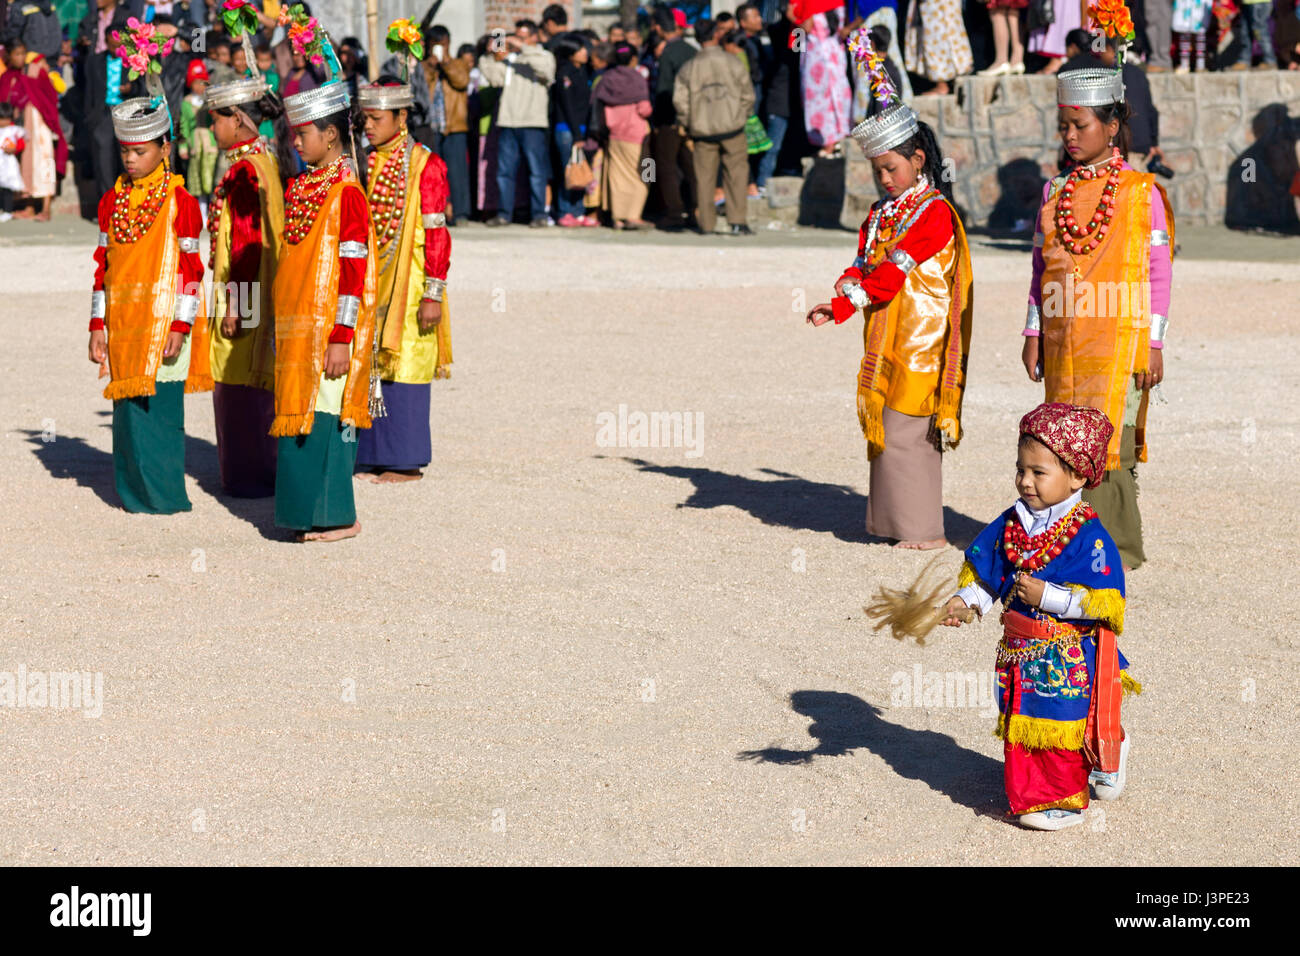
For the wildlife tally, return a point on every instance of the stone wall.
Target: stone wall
(1222, 134)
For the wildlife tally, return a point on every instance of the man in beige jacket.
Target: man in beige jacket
(713, 97)
(451, 74)
(524, 70)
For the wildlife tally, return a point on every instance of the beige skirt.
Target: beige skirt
(39, 174)
(905, 500)
(627, 190)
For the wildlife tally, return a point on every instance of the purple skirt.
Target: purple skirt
(245, 448)
(399, 441)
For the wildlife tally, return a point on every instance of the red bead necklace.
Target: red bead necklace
(1080, 239)
(1046, 545)
(889, 215)
(388, 192)
(305, 197)
(130, 224)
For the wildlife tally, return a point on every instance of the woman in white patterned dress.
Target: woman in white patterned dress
(936, 46)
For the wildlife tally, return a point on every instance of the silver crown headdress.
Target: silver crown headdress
(879, 134)
(222, 96)
(395, 97)
(895, 123)
(1091, 87)
(316, 104)
(139, 121)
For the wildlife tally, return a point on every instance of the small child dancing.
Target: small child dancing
(1060, 580)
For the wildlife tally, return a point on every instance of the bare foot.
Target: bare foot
(333, 534)
(932, 545)
(390, 477)
(369, 476)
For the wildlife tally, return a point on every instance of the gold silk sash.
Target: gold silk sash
(395, 263)
(305, 301)
(140, 297)
(1096, 307)
(249, 358)
(915, 346)
(405, 354)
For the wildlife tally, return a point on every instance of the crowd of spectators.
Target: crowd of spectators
(658, 122)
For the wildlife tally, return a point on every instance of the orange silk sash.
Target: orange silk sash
(140, 298)
(1096, 307)
(305, 303)
(1103, 735)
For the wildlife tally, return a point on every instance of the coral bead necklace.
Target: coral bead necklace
(305, 197)
(388, 196)
(1081, 239)
(1045, 546)
(130, 224)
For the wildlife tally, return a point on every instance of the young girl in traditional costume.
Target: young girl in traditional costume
(1099, 296)
(407, 189)
(324, 306)
(246, 221)
(1057, 574)
(912, 282)
(147, 322)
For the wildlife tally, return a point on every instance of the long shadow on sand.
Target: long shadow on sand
(794, 502)
(68, 456)
(843, 723)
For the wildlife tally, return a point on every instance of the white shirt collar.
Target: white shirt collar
(1036, 522)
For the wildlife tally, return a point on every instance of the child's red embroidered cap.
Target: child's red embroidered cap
(1079, 435)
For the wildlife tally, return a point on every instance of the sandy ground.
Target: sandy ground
(555, 651)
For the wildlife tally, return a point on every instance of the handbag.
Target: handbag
(1041, 14)
(577, 173)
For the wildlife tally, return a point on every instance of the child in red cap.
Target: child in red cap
(1060, 581)
(197, 145)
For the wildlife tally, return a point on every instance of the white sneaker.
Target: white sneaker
(6, 216)
(1108, 786)
(1051, 819)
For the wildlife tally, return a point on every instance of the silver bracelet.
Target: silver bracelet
(1033, 319)
(348, 309)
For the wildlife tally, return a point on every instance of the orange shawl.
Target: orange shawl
(140, 303)
(1096, 307)
(306, 297)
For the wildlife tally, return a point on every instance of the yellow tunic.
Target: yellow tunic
(249, 358)
(407, 355)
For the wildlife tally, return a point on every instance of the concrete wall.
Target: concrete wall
(1224, 134)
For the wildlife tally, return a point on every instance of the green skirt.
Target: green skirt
(149, 451)
(756, 138)
(313, 477)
